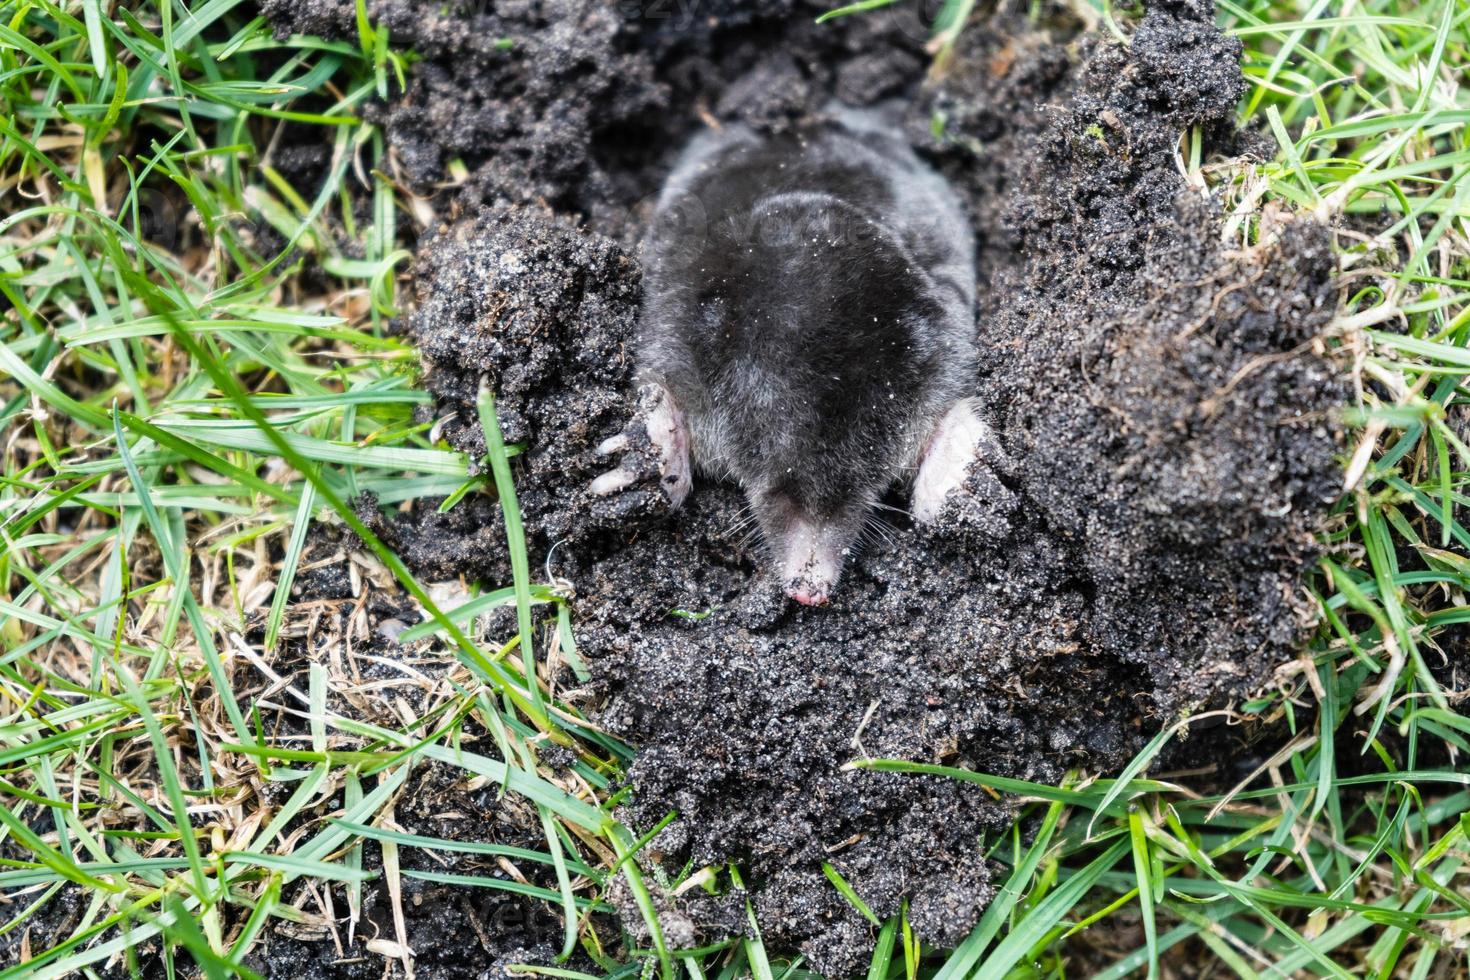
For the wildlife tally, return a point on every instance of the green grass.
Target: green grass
(175, 411)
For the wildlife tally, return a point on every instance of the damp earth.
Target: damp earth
(1161, 389)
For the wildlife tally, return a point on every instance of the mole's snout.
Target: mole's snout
(806, 594)
(813, 561)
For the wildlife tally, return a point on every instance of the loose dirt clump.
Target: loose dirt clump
(516, 89)
(1165, 398)
(1168, 397)
(542, 312)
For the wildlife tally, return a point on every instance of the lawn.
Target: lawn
(198, 371)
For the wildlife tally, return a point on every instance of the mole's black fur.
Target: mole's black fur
(808, 308)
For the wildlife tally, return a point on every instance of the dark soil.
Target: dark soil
(454, 930)
(1165, 398)
(350, 620)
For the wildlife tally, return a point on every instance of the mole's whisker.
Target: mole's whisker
(889, 507)
(744, 516)
(878, 531)
(754, 532)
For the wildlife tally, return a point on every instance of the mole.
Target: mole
(807, 331)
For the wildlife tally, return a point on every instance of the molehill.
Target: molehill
(1165, 395)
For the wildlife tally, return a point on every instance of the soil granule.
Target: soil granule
(1164, 395)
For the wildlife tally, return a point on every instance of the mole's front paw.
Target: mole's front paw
(958, 478)
(654, 449)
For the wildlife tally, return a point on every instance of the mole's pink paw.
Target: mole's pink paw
(654, 448)
(957, 472)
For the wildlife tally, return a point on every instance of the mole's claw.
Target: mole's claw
(666, 429)
(611, 482)
(655, 447)
(961, 445)
(612, 444)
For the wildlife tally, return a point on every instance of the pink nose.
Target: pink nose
(807, 595)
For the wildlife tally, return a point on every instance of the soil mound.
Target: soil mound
(1164, 397)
